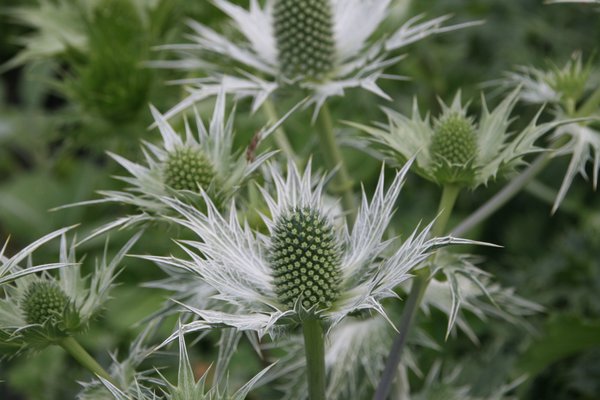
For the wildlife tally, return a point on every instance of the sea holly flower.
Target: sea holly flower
(456, 149)
(320, 46)
(561, 86)
(569, 88)
(40, 310)
(183, 166)
(310, 265)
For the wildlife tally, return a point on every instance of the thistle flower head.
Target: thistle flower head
(309, 264)
(566, 87)
(304, 36)
(305, 258)
(43, 302)
(39, 310)
(555, 84)
(455, 148)
(188, 169)
(322, 47)
(183, 166)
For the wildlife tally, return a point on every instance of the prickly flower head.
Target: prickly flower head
(44, 302)
(305, 257)
(453, 148)
(456, 149)
(321, 47)
(304, 36)
(188, 168)
(41, 309)
(308, 265)
(184, 164)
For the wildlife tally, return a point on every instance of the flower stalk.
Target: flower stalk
(417, 290)
(314, 344)
(279, 135)
(333, 158)
(73, 347)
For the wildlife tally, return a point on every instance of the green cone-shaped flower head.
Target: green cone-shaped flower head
(187, 168)
(305, 257)
(43, 301)
(305, 41)
(453, 147)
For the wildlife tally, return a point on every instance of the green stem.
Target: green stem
(78, 353)
(417, 291)
(314, 346)
(449, 195)
(333, 158)
(279, 134)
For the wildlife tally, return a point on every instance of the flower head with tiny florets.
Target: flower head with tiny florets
(309, 265)
(455, 149)
(183, 167)
(320, 46)
(39, 310)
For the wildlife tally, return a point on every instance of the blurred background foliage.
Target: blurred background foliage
(74, 85)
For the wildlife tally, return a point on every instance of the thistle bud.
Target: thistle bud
(305, 257)
(453, 148)
(187, 168)
(43, 301)
(305, 41)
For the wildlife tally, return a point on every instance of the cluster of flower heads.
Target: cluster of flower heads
(271, 279)
(321, 46)
(184, 167)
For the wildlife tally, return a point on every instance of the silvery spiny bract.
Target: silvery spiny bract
(310, 264)
(455, 148)
(10, 269)
(40, 310)
(322, 46)
(187, 386)
(182, 167)
(359, 346)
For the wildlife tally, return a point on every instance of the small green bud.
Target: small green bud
(305, 41)
(453, 148)
(43, 301)
(305, 257)
(187, 168)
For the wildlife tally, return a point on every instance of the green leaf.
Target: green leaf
(565, 335)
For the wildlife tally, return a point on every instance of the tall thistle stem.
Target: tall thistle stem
(279, 135)
(417, 290)
(314, 346)
(73, 347)
(333, 158)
